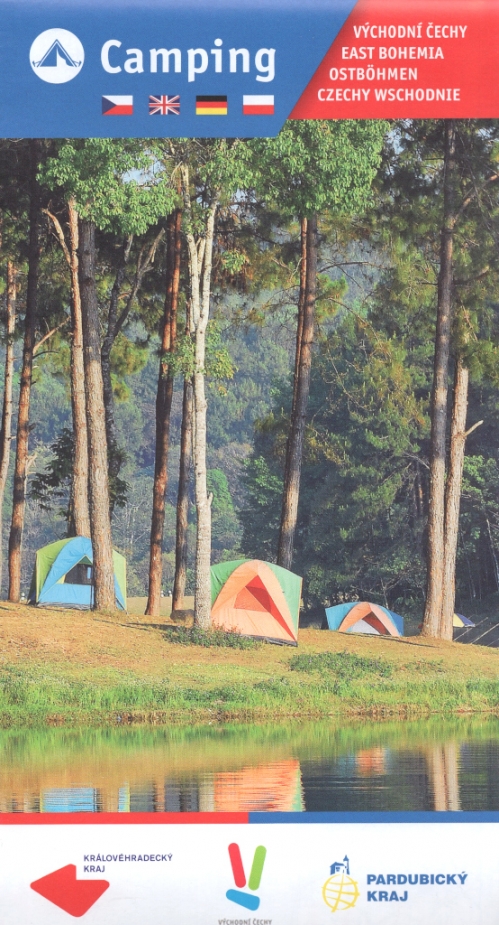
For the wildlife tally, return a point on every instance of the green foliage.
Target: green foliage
(315, 166)
(341, 665)
(261, 514)
(224, 523)
(55, 479)
(478, 561)
(357, 530)
(410, 212)
(259, 357)
(127, 359)
(363, 508)
(364, 490)
(54, 482)
(233, 261)
(218, 639)
(219, 487)
(219, 364)
(112, 183)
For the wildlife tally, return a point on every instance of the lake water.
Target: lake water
(424, 765)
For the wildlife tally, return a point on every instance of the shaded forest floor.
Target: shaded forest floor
(67, 667)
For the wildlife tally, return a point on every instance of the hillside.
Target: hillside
(61, 667)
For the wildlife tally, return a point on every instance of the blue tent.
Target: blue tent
(461, 621)
(364, 617)
(63, 574)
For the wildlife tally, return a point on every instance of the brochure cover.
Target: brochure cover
(249, 470)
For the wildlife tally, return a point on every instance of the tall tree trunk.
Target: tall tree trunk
(493, 554)
(436, 503)
(115, 455)
(202, 604)
(115, 322)
(202, 607)
(100, 521)
(200, 250)
(20, 472)
(183, 499)
(303, 363)
(79, 503)
(299, 338)
(164, 397)
(301, 306)
(453, 495)
(6, 426)
(79, 483)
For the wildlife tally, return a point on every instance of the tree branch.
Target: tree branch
(470, 431)
(59, 234)
(48, 335)
(143, 267)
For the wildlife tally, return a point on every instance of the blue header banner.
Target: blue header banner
(156, 69)
(161, 68)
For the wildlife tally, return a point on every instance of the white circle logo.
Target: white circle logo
(56, 56)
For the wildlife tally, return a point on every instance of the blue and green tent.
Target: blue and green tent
(63, 575)
(364, 617)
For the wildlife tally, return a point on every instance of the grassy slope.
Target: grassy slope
(67, 667)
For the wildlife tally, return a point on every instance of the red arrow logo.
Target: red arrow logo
(63, 889)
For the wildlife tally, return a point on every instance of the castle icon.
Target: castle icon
(340, 891)
(341, 867)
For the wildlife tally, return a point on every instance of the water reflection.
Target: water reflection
(431, 765)
(443, 771)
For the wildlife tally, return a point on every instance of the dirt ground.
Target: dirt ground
(89, 645)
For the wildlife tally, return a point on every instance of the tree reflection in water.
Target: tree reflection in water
(424, 765)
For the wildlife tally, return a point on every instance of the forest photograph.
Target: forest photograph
(273, 351)
(249, 461)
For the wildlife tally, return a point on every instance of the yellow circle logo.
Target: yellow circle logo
(340, 892)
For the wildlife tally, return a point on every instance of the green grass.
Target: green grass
(313, 686)
(342, 665)
(218, 639)
(83, 669)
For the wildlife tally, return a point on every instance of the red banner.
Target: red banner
(414, 59)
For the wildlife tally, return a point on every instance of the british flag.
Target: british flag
(164, 105)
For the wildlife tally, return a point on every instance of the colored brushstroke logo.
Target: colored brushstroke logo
(247, 900)
(340, 891)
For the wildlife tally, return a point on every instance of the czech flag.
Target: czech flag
(117, 105)
(258, 105)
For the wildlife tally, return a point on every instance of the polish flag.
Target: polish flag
(258, 105)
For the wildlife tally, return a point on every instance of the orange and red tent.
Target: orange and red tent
(257, 599)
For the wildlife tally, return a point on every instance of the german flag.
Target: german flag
(211, 105)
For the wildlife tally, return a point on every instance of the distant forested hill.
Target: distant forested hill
(261, 358)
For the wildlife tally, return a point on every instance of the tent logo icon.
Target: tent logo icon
(56, 56)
